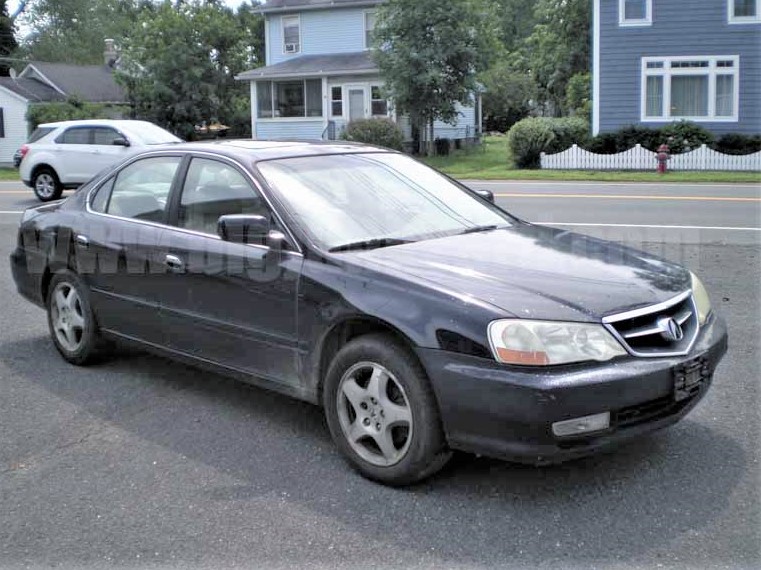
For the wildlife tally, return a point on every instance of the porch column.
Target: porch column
(325, 104)
(254, 110)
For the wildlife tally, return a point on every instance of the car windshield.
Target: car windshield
(149, 133)
(376, 199)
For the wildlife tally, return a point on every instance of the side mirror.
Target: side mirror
(243, 228)
(120, 141)
(486, 195)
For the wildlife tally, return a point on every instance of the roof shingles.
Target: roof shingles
(92, 83)
(315, 65)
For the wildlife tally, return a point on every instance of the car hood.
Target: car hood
(535, 272)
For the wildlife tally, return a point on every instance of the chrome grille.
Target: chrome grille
(650, 331)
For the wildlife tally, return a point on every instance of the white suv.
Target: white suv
(67, 154)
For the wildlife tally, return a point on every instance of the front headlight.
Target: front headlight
(543, 343)
(702, 302)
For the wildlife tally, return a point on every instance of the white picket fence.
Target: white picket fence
(639, 158)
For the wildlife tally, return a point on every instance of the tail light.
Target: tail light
(24, 149)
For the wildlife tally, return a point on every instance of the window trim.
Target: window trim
(303, 117)
(732, 19)
(711, 72)
(388, 106)
(186, 157)
(640, 22)
(365, 13)
(341, 100)
(283, 19)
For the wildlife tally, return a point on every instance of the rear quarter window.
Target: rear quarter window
(39, 132)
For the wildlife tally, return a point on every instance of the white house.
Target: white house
(319, 74)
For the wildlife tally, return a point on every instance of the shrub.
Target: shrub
(72, 109)
(529, 138)
(379, 132)
(442, 146)
(684, 136)
(735, 143)
(681, 136)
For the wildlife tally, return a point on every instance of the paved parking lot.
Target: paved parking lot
(140, 462)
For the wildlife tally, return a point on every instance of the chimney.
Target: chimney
(109, 54)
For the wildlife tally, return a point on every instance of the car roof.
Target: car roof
(124, 123)
(253, 150)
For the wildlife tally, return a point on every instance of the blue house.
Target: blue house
(657, 61)
(319, 74)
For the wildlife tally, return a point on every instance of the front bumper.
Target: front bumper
(507, 412)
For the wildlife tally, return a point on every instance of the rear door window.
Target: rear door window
(76, 135)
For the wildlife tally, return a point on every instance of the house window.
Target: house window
(369, 27)
(744, 11)
(635, 12)
(291, 34)
(699, 89)
(282, 99)
(336, 101)
(2, 123)
(378, 103)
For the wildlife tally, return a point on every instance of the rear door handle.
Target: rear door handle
(174, 263)
(82, 241)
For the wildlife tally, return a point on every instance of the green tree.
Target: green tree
(73, 31)
(180, 60)
(578, 96)
(429, 53)
(8, 43)
(516, 21)
(558, 48)
(508, 95)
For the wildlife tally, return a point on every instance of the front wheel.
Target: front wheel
(46, 185)
(71, 319)
(382, 412)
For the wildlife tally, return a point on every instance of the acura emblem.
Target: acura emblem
(670, 329)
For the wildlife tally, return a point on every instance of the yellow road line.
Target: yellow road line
(629, 197)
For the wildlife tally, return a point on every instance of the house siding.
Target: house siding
(16, 126)
(700, 29)
(322, 31)
(289, 130)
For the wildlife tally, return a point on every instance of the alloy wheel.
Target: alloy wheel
(374, 414)
(67, 316)
(45, 185)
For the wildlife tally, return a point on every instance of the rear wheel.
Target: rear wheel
(71, 320)
(382, 413)
(46, 185)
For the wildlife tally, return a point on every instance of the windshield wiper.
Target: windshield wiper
(477, 229)
(369, 244)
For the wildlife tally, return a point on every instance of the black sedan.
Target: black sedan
(420, 315)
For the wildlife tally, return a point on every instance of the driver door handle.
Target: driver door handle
(174, 263)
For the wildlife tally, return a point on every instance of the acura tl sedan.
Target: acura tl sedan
(422, 317)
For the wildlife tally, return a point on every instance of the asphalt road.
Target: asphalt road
(140, 462)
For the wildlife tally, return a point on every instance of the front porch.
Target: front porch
(314, 97)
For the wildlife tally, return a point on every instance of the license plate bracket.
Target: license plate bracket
(688, 379)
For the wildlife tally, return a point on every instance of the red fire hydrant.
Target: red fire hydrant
(663, 156)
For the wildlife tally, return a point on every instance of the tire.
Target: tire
(46, 185)
(382, 413)
(71, 320)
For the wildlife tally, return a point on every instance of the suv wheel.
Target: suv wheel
(382, 412)
(46, 185)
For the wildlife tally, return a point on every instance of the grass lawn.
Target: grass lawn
(492, 161)
(9, 174)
